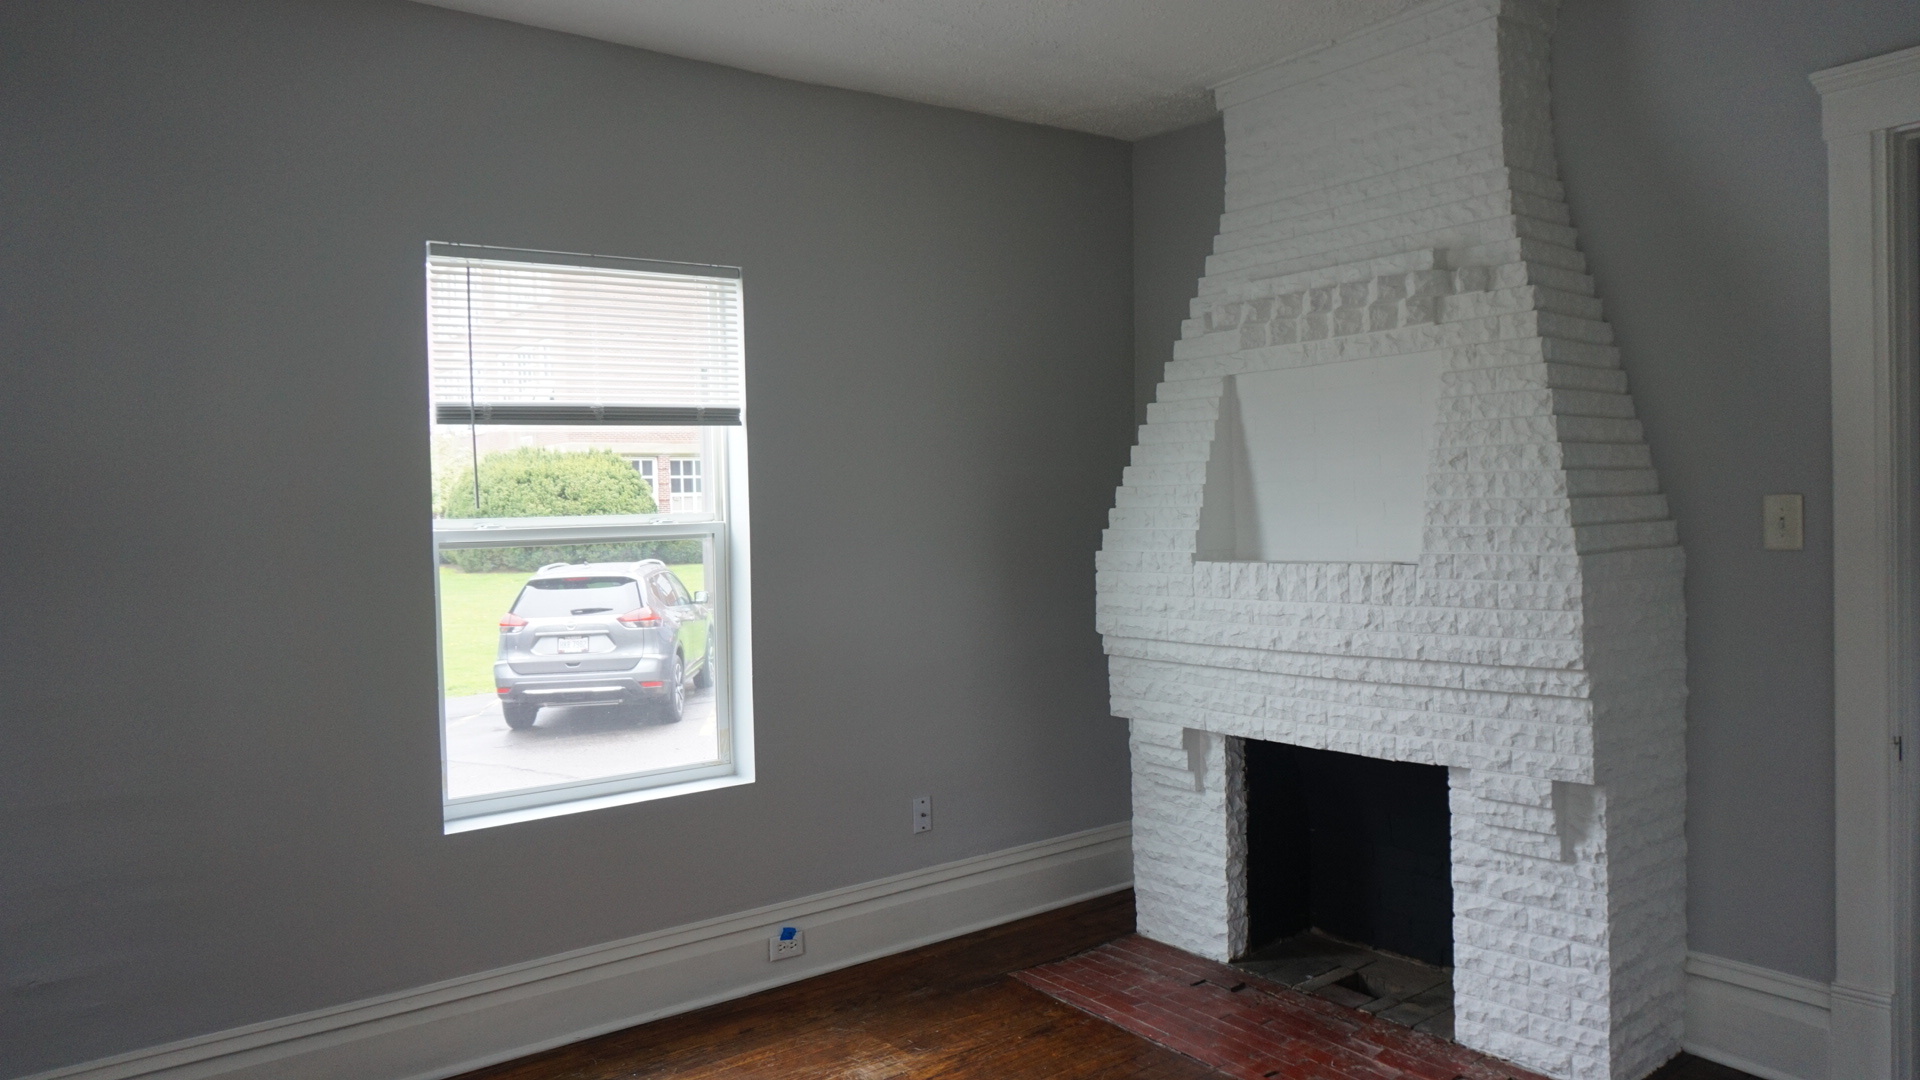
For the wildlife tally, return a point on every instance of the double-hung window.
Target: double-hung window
(592, 615)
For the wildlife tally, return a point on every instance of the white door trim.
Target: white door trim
(1867, 108)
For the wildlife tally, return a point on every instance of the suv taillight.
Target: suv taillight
(641, 618)
(511, 622)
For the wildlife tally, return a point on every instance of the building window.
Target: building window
(684, 485)
(686, 476)
(591, 633)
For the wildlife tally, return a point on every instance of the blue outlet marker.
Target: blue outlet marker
(788, 933)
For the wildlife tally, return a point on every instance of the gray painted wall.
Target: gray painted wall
(1690, 144)
(220, 769)
(1179, 193)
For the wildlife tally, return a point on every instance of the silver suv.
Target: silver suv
(620, 634)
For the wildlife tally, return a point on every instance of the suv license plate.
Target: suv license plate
(573, 644)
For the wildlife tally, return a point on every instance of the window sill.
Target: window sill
(595, 802)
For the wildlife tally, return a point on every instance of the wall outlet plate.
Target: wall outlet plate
(922, 813)
(1785, 517)
(789, 942)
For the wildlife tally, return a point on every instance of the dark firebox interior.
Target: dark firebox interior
(1354, 847)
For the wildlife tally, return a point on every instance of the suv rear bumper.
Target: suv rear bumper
(585, 687)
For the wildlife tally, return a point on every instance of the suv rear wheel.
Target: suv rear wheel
(519, 717)
(675, 704)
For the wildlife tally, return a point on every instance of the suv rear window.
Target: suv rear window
(547, 597)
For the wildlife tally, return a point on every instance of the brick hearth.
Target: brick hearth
(1247, 1027)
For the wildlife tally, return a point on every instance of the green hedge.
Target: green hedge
(532, 481)
(492, 560)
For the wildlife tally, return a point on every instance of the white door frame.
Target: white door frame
(1870, 112)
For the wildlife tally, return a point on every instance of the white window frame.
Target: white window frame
(723, 522)
(1870, 115)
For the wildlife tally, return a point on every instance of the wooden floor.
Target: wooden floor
(948, 1011)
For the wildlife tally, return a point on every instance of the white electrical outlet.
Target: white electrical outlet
(790, 942)
(922, 813)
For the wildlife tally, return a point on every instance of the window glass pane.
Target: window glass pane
(560, 663)
(568, 471)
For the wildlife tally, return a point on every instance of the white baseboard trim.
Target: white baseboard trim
(466, 1023)
(1768, 1023)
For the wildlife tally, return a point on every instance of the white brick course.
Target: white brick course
(1390, 195)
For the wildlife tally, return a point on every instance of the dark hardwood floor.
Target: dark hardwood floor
(1688, 1067)
(948, 1010)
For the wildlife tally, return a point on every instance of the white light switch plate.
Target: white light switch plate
(1785, 520)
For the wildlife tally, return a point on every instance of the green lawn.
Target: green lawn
(470, 610)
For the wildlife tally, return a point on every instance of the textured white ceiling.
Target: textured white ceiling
(1125, 68)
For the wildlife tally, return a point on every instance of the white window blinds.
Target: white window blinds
(514, 338)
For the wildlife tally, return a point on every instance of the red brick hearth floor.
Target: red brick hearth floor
(1247, 1027)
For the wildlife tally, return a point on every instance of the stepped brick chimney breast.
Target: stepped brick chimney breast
(1392, 500)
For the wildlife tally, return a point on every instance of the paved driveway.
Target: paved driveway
(485, 756)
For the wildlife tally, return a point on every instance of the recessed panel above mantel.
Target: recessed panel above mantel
(1326, 463)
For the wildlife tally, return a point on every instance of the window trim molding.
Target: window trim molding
(1870, 114)
(713, 779)
(724, 518)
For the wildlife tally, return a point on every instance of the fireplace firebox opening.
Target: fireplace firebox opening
(1356, 848)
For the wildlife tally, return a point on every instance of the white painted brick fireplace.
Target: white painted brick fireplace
(1392, 500)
